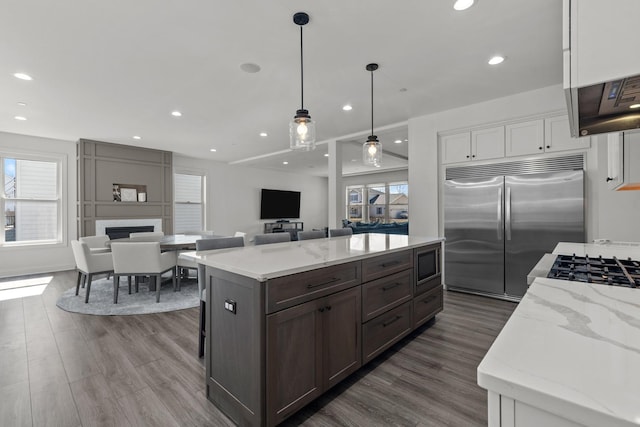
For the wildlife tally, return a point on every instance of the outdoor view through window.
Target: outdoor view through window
(382, 203)
(30, 202)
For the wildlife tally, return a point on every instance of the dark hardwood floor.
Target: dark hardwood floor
(65, 369)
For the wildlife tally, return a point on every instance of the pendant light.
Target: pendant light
(372, 149)
(302, 130)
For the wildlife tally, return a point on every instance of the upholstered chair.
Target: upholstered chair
(265, 239)
(147, 236)
(141, 259)
(335, 232)
(89, 264)
(207, 245)
(308, 235)
(96, 243)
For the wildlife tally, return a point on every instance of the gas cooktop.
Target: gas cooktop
(606, 271)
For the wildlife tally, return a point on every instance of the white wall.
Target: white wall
(233, 195)
(611, 215)
(52, 257)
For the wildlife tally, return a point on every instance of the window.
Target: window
(385, 203)
(31, 201)
(188, 203)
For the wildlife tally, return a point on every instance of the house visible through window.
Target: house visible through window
(188, 203)
(385, 203)
(31, 200)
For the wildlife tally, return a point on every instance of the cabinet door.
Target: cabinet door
(487, 143)
(342, 342)
(456, 148)
(557, 136)
(294, 359)
(525, 138)
(615, 160)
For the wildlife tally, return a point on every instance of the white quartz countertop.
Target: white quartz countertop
(572, 349)
(265, 262)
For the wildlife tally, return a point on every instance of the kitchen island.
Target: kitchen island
(288, 321)
(570, 353)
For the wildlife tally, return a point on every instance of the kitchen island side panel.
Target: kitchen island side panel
(235, 343)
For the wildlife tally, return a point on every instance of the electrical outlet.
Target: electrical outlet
(230, 305)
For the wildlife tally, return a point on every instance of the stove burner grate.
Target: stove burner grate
(607, 271)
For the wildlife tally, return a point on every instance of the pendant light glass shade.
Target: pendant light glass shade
(372, 149)
(302, 130)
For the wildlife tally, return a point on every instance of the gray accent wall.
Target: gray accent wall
(101, 164)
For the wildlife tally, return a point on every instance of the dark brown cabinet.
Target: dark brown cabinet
(310, 348)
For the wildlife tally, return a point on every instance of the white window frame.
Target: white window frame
(203, 198)
(61, 197)
(366, 206)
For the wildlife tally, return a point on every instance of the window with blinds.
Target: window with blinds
(188, 203)
(30, 201)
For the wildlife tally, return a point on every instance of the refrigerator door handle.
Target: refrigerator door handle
(500, 226)
(507, 214)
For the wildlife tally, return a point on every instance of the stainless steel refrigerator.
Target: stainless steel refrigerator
(497, 228)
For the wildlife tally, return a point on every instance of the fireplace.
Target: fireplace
(119, 228)
(122, 232)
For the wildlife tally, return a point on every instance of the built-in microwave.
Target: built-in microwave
(427, 266)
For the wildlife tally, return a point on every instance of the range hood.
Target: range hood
(612, 106)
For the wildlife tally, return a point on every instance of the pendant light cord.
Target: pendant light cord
(371, 102)
(301, 74)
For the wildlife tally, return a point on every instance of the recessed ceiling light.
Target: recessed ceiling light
(403, 89)
(285, 163)
(353, 160)
(22, 76)
(326, 154)
(22, 104)
(263, 134)
(634, 106)
(213, 150)
(463, 4)
(406, 140)
(347, 107)
(21, 118)
(250, 67)
(176, 113)
(137, 137)
(398, 141)
(496, 60)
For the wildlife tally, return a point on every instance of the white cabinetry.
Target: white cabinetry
(623, 161)
(482, 144)
(525, 138)
(507, 412)
(557, 136)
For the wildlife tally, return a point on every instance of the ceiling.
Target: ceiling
(111, 70)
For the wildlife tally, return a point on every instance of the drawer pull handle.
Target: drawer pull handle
(386, 288)
(428, 300)
(389, 264)
(335, 279)
(395, 319)
(325, 308)
(321, 309)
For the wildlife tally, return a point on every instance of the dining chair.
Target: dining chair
(308, 235)
(141, 259)
(206, 245)
(96, 243)
(335, 232)
(89, 264)
(146, 236)
(265, 239)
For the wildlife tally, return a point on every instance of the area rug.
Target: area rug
(143, 302)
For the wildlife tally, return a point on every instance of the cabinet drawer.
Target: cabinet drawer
(384, 265)
(385, 330)
(427, 285)
(380, 295)
(288, 291)
(426, 306)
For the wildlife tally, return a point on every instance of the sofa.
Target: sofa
(377, 227)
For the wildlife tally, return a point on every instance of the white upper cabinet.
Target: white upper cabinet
(525, 138)
(557, 136)
(487, 143)
(456, 148)
(476, 145)
(623, 161)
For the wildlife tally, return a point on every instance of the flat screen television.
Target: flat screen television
(279, 204)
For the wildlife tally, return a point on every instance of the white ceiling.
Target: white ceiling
(111, 70)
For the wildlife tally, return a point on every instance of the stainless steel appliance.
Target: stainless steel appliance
(498, 227)
(606, 271)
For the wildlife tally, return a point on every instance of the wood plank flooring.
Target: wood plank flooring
(66, 369)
